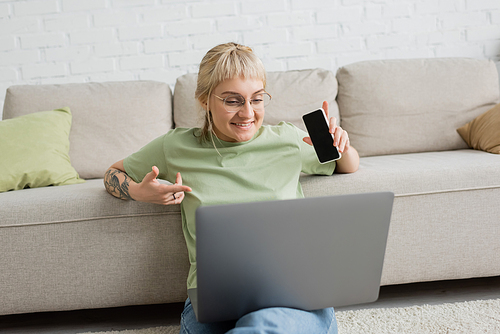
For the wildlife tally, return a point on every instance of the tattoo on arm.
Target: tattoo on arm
(114, 186)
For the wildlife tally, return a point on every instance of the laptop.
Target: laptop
(308, 253)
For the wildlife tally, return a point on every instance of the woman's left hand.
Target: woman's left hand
(340, 136)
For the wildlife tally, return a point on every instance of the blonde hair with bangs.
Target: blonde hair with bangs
(224, 61)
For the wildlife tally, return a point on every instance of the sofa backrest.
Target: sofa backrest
(294, 93)
(405, 106)
(110, 120)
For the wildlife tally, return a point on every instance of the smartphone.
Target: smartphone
(319, 131)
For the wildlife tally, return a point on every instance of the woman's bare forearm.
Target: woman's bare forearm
(349, 163)
(117, 183)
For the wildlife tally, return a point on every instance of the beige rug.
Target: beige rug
(481, 316)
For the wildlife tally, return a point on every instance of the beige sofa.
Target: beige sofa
(76, 247)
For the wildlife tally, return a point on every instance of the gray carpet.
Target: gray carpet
(480, 316)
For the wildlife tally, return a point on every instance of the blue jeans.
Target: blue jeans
(274, 320)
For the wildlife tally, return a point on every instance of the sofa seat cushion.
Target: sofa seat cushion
(71, 203)
(412, 174)
(444, 223)
(77, 247)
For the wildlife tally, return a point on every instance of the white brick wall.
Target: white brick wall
(62, 41)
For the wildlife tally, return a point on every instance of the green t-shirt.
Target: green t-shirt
(267, 167)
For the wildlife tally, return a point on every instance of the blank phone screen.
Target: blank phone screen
(318, 130)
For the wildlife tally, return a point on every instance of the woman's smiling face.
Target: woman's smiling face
(236, 126)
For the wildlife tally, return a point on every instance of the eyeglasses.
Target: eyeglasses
(234, 102)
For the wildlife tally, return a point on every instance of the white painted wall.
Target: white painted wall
(61, 41)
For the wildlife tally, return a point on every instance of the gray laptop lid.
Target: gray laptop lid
(308, 253)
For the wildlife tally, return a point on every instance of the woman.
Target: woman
(233, 158)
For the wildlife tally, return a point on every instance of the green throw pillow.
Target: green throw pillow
(34, 151)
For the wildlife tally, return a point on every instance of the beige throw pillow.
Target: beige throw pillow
(483, 133)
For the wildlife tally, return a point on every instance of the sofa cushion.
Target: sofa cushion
(412, 174)
(109, 121)
(483, 133)
(444, 223)
(34, 150)
(405, 106)
(77, 247)
(294, 93)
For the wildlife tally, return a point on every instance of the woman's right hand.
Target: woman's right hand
(150, 190)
